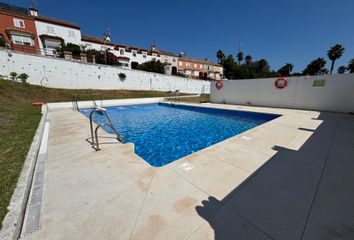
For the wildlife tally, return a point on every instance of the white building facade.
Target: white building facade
(52, 33)
(131, 57)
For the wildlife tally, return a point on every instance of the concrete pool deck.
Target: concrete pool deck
(290, 178)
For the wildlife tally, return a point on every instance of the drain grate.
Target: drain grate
(34, 206)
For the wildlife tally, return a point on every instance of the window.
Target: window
(50, 29)
(144, 55)
(2, 41)
(200, 66)
(52, 44)
(71, 33)
(195, 65)
(121, 51)
(22, 40)
(134, 53)
(19, 23)
(180, 63)
(174, 60)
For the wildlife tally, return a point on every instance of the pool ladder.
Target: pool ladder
(75, 103)
(173, 100)
(94, 133)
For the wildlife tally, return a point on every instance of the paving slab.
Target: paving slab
(169, 209)
(219, 183)
(226, 225)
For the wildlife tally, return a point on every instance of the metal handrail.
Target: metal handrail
(94, 133)
(75, 103)
(94, 103)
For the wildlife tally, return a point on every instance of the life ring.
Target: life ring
(281, 83)
(219, 84)
(38, 103)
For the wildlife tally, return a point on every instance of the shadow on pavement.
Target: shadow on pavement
(298, 194)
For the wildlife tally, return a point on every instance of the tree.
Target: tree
(341, 70)
(250, 69)
(286, 69)
(335, 53)
(153, 66)
(351, 66)
(229, 67)
(316, 67)
(263, 65)
(248, 60)
(239, 57)
(220, 55)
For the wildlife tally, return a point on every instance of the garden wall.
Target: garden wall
(60, 73)
(336, 95)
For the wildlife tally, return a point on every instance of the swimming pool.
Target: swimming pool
(163, 133)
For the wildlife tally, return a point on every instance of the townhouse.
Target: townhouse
(132, 57)
(17, 29)
(199, 69)
(53, 33)
(98, 44)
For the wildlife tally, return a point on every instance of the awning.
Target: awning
(124, 59)
(45, 36)
(10, 31)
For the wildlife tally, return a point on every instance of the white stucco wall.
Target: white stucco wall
(60, 73)
(337, 94)
(59, 31)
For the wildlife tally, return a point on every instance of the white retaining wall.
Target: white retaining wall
(60, 73)
(337, 95)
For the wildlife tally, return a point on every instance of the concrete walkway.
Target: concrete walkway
(291, 178)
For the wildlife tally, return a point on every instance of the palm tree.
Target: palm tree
(286, 69)
(248, 60)
(220, 55)
(263, 65)
(351, 66)
(341, 70)
(239, 57)
(335, 53)
(316, 67)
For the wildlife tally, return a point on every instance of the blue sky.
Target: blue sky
(295, 31)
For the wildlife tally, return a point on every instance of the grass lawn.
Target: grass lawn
(19, 121)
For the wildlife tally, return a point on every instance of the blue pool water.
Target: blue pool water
(163, 133)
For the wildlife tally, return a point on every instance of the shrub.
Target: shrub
(99, 56)
(70, 47)
(152, 66)
(23, 77)
(122, 76)
(13, 75)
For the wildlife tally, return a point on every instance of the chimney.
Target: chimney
(33, 12)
